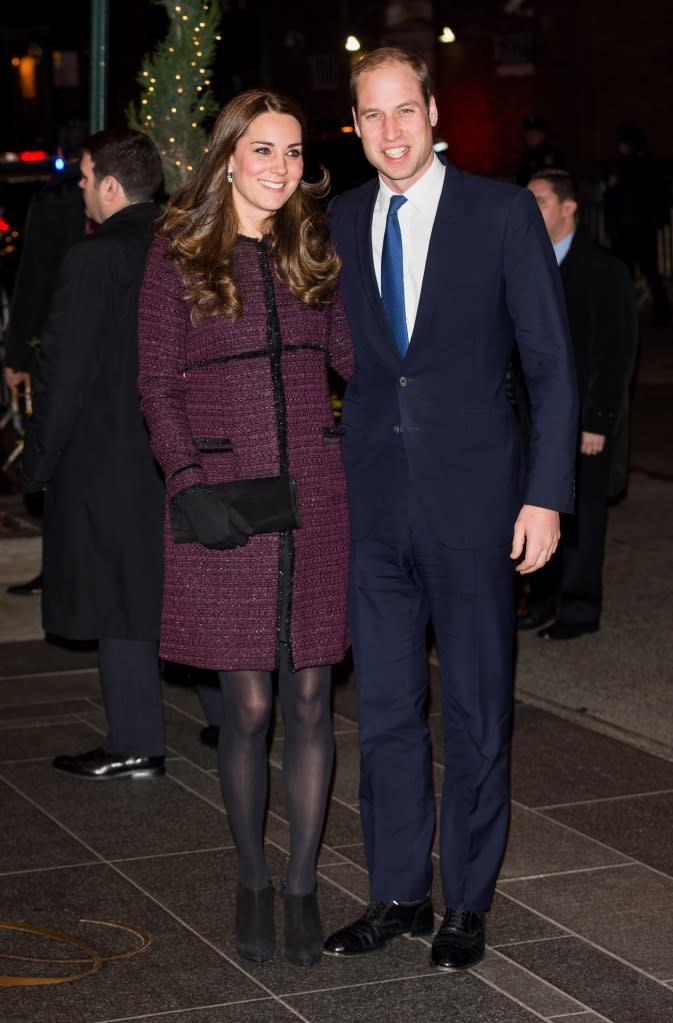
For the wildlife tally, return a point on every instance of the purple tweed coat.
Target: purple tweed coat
(209, 399)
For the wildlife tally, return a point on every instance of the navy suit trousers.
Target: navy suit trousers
(400, 580)
(131, 684)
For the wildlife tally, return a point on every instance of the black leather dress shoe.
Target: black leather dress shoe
(533, 618)
(460, 941)
(98, 765)
(210, 736)
(33, 588)
(380, 923)
(566, 630)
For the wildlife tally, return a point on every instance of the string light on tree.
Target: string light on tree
(175, 96)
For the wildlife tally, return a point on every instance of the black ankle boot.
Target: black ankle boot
(303, 930)
(255, 930)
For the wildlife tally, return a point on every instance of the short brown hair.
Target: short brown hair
(384, 57)
(562, 183)
(129, 156)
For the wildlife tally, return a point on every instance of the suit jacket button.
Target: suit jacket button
(403, 381)
(396, 428)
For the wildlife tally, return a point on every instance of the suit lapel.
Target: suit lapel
(363, 231)
(444, 249)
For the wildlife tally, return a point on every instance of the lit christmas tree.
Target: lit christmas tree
(175, 98)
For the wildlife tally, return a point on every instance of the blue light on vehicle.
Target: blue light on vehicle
(59, 163)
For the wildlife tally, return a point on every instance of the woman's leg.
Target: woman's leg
(307, 766)
(243, 767)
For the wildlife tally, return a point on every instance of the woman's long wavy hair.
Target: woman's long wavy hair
(202, 226)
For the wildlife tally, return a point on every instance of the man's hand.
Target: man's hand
(538, 530)
(14, 377)
(592, 443)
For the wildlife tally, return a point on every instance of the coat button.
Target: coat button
(396, 428)
(403, 381)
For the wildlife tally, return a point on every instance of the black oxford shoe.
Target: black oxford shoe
(533, 618)
(210, 736)
(33, 588)
(98, 765)
(460, 941)
(566, 630)
(380, 923)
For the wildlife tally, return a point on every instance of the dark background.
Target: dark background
(585, 65)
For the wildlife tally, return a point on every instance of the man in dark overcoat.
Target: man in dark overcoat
(56, 220)
(87, 443)
(603, 329)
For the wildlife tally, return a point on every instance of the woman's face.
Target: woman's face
(267, 165)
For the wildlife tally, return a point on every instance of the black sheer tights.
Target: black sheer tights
(307, 766)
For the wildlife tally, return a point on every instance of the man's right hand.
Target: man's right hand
(14, 377)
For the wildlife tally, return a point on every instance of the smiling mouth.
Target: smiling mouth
(276, 186)
(396, 152)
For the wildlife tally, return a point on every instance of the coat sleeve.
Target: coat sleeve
(611, 347)
(535, 302)
(163, 323)
(67, 358)
(340, 343)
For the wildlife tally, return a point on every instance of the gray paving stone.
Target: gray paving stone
(610, 987)
(626, 910)
(31, 840)
(123, 818)
(572, 764)
(45, 741)
(177, 971)
(640, 826)
(434, 998)
(536, 846)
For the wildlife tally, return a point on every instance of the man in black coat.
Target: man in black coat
(56, 220)
(603, 328)
(88, 445)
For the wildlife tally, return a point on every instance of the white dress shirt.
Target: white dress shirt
(416, 218)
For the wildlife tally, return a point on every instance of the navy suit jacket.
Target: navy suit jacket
(490, 282)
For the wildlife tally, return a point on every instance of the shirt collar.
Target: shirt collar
(423, 195)
(561, 248)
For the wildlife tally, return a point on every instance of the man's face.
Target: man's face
(559, 217)
(395, 125)
(93, 200)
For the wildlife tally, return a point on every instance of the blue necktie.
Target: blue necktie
(392, 275)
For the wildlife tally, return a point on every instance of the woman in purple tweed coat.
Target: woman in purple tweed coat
(239, 320)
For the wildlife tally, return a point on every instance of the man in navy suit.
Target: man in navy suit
(443, 274)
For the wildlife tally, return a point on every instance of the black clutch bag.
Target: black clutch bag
(268, 504)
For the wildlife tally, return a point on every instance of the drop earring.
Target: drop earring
(230, 177)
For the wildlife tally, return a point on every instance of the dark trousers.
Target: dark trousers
(399, 581)
(210, 698)
(131, 684)
(570, 586)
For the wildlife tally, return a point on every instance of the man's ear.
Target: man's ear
(355, 123)
(570, 208)
(112, 190)
(432, 112)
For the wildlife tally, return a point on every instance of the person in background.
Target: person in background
(88, 445)
(637, 205)
(443, 274)
(604, 333)
(539, 154)
(56, 220)
(239, 321)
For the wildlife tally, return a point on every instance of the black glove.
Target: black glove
(216, 524)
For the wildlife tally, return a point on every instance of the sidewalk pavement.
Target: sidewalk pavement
(581, 929)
